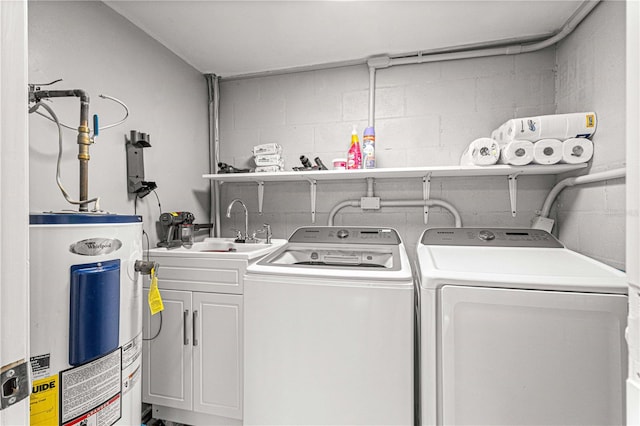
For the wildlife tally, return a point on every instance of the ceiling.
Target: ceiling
(233, 38)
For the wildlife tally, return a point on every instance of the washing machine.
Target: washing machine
(329, 330)
(516, 329)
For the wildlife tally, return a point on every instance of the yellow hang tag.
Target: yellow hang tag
(155, 300)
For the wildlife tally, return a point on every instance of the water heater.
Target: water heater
(86, 319)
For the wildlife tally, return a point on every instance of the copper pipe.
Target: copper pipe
(83, 152)
(84, 139)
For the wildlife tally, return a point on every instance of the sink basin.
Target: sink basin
(225, 248)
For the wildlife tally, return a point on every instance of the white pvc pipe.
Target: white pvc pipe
(372, 95)
(567, 28)
(578, 180)
(340, 206)
(400, 203)
(385, 62)
(370, 187)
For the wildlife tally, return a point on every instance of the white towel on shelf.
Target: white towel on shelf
(517, 153)
(577, 150)
(267, 148)
(268, 160)
(481, 152)
(557, 126)
(269, 169)
(547, 151)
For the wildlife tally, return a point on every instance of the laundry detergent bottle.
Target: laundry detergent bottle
(354, 156)
(369, 148)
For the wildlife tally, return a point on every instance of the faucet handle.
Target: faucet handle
(239, 236)
(266, 229)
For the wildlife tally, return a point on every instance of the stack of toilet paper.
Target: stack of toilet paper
(268, 157)
(547, 139)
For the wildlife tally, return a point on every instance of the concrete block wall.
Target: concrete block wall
(426, 115)
(591, 77)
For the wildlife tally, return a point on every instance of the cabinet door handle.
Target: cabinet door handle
(195, 320)
(184, 326)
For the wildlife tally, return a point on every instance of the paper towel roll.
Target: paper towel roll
(517, 153)
(547, 151)
(558, 126)
(481, 152)
(500, 134)
(577, 150)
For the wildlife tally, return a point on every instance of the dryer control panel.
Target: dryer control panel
(490, 237)
(345, 235)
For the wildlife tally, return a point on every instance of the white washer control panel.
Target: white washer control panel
(345, 235)
(490, 237)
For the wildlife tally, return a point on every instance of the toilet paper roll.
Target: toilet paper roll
(577, 150)
(558, 126)
(517, 153)
(481, 152)
(547, 151)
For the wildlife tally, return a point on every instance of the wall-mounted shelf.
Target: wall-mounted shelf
(425, 173)
(396, 173)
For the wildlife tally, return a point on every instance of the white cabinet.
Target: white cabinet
(167, 366)
(192, 362)
(217, 354)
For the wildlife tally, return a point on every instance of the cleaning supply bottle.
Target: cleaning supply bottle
(354, 156)
(369, 148)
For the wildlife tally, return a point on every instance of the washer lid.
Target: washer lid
(381, 257)
(371, 261)
(516, 267)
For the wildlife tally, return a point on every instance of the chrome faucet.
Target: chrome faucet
(247, 239)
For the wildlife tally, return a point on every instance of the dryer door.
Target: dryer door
(531, 357)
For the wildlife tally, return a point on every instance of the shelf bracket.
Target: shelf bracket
(513, 191)
(426, 190)
(260, 196)
(313, 184)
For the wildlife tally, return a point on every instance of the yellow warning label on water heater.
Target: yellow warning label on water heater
(44, 401)
(155, 300)
(591, 120)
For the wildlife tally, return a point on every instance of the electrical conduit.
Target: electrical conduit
(578, 180)
(399, 203)
(477, 52)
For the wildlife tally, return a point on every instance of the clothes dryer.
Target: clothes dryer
(329, 330)
(516, 329)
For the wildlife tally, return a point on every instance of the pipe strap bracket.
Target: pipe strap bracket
(260, 196)
(513, 191)
(426, 193)
(313, 190)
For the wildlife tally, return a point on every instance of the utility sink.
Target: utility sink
(221, 248)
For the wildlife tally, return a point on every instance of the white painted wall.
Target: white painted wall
(14, 205)
(93, 48)
(425, 115)
(591, 77)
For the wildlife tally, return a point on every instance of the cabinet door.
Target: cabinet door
(217, 354)
(167, 365)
